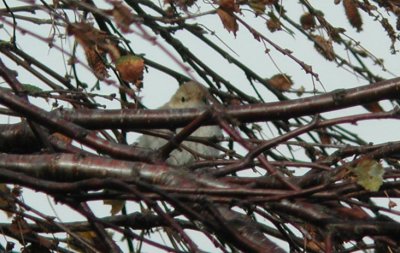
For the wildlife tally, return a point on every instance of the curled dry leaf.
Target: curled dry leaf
(7, 202)
(307, 21)
(280, 82)
(273, 24)
(228, 20)
(96, 63)
(258, 6)
(19, 226)
(86, 35)
(122, 16)
(229, 5)
(96, 45)
(130, 68)
(324, 47)
(352, 13)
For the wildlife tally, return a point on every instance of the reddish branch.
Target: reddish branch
(339, 99)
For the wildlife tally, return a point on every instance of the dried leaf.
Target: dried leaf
(5, 190)
(313, 243)
(369, 174)
(116, 205)
(273, 24)
(352, 13)
(96, 45)
(324, 136)
(86, 35)
(280, 82)
(96, 63)
(307, 21)
(228, 20)
(19, 226)
(130, 68)
(324, 47)
(229, 5)
(122, 16)
(373, 107)
(314, 246)
(258, 6)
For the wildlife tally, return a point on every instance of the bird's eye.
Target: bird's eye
(183, 99)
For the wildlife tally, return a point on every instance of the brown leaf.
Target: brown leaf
(352, 13)
(7, 202)
(258, 6)
(229, 5)
(324, 47)
(324, 136)
(96, 44)
(228, 20)
(373, 107)
(86, 35)
(313, 243)
(122, 16)
(19, 226)
(130, 68)
(273, 24)
(95, 61)
(280, 82)
(307, 21)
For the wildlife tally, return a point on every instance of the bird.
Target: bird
(190, 94)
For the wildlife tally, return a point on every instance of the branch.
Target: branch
(173, 118)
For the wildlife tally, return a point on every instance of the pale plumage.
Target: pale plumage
(189, 95)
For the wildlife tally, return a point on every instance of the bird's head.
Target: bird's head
(189, 95)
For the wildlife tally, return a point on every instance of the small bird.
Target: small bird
(189, 95)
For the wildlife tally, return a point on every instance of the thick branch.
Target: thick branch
(339, 99)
